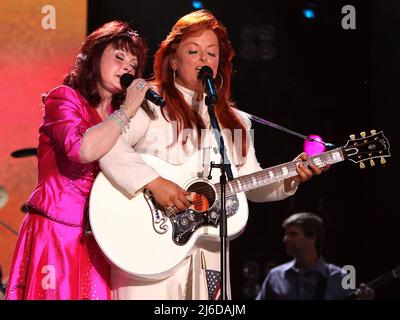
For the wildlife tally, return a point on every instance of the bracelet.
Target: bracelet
(121, 119)
(118, 122)
(121, 110)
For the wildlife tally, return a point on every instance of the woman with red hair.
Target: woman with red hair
(181, 128)
(55, 258)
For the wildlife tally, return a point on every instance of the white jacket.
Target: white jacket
(124, 166)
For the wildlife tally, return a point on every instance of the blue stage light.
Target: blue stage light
(197, 4)
(309, 13)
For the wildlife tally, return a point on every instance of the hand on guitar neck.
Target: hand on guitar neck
(364, 293)
(304, 173)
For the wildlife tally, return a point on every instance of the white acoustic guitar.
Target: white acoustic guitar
(138, 237)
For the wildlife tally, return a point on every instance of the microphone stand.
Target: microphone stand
(277, 126)
(225, 168)
(205, 74)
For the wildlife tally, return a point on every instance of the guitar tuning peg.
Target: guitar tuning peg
(362, 134)
(372, 163)
(352, 136)
(362, 165)
(373, 131)
(383, 161)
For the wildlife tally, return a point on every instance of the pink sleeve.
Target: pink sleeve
(64, 121)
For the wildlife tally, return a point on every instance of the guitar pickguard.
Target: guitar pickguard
(184, 224)
(157, 214)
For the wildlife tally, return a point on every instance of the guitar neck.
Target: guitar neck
(279, 172)
(377, 282)
(383, 279)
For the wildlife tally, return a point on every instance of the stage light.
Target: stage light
(257, 42)
(267, 51)
(309, 13)
(197, 5)
(311, 147)
(248, 50)
(251, 270)
(266, 32)
(248, 33)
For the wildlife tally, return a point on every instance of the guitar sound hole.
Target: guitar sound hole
(205, 196)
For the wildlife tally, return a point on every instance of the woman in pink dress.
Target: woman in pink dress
(55, 255)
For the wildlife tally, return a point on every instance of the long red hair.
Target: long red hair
(178, 109)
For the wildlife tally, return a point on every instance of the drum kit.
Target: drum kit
(21, 153)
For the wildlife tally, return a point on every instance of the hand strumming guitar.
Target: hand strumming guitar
(169, 195)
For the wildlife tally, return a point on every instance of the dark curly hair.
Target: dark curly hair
(85, 71)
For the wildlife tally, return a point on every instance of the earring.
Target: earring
(174, 74)
(222, 81)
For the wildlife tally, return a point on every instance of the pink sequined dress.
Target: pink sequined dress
(53, 257)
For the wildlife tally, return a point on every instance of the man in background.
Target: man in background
(308, 276)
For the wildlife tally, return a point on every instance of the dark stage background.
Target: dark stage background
(313, 77)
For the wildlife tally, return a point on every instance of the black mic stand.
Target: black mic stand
(226, 171)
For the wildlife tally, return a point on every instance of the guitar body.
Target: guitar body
(137, 236)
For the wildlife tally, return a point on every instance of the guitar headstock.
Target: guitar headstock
(371, 147)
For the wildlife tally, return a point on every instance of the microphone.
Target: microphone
(126, 80)
(206, 76)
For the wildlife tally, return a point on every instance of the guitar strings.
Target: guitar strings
(247, 180)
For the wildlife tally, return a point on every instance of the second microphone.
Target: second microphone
(126, 80)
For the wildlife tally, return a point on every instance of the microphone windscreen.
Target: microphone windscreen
(205, 71)
(126, 80)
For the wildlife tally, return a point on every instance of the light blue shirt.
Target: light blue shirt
(287, 282)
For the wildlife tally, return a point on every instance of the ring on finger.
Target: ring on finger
(171, 210)
(140, 86)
